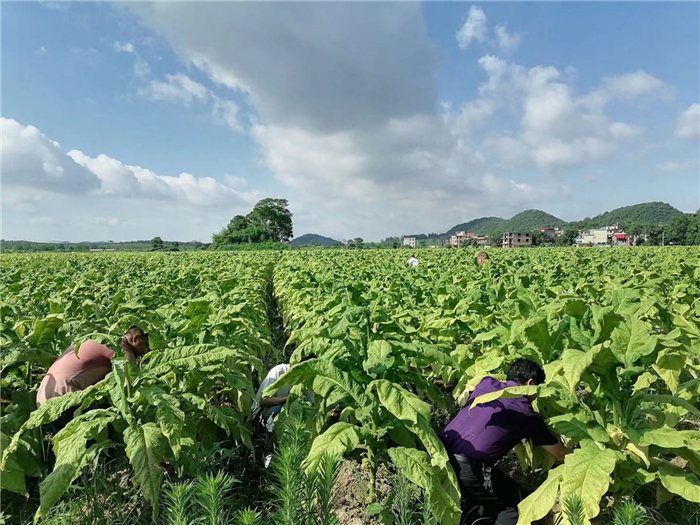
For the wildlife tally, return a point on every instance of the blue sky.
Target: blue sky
(126, 121)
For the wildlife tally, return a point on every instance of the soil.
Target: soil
(351, 490)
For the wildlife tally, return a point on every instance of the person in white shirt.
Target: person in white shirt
(269, 407)
(413, 262)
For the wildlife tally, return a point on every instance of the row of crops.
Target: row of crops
(390, 351)
(206, 318)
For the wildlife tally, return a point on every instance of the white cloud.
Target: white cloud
(688, 125)
(141, 67)
(233, 181)
(41, 52)
(508, 42)
(32, 160)
(678, 166)
(634, 84)
(33, 167)
(621, 130)
(627, 86)
(124, 47)
(175, 88)
(557, 130)
(226, 112)
(123, 180)
(473, 29)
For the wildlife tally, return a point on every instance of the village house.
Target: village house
(409, 241)
(461, 237)
(516, 239)
(594, 237)
(551, 232)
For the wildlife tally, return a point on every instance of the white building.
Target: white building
(409, 241)
(595, 236)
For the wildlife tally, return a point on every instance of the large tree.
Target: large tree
(273, 215)
(270, 220)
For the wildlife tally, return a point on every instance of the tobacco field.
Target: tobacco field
(390, 353)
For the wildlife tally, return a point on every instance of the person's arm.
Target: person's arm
(267, 402)
(541, 436)
(557, 451)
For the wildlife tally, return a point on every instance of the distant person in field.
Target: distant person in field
(412, 261)
(482, 257)
(71, 372)
(477, 438)
(269, 407)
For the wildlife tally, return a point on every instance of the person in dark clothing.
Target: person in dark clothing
(478, 437)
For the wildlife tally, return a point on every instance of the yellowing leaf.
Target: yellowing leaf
(538, 504)
(587, 473)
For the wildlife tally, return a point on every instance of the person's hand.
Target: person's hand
(558, 451)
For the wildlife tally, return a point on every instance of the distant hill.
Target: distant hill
(482, 226)
(656, 213)
(522, 222)
(648, 213)
(312, 239)
(528, 220)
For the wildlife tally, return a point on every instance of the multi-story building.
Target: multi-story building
(461, 237)
(551, 232)
(516, 239)
(409, 241)
(595, 236)
(482, 241)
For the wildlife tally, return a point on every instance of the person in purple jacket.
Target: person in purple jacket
(478, 437)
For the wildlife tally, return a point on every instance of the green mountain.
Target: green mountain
(522, 222)
(656, 213)
(529, 220)
(482, 226)
(312, 239)
(647, 213)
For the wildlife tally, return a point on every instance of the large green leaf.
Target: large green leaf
(27, 355)
(144, 450)
(578, 428)
(443, 498)
(669, 365)
(399, 401)
(46, 413)
(195, 357)
(322, 377)
(12, 476)
(72, 455)
(510, 392)
(538, 504)
(587, 473)
(679, 482)
(667, 437)
(339, 439)
(379, 357)
(171, 420)
(45, 330)
(575, 363)
(630, 341)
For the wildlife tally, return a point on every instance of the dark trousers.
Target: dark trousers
(481, 505)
